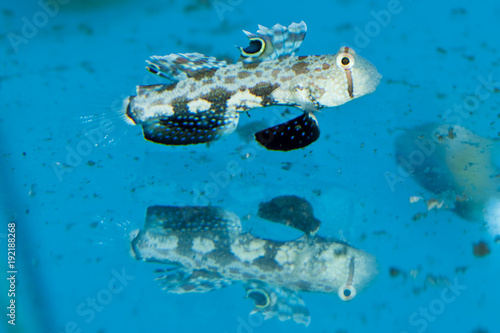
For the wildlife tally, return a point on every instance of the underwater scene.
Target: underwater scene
(250, 166)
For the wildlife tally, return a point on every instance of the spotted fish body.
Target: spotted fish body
(204, 97)
(207, 250)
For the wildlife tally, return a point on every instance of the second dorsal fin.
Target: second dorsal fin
(273, 43)
(176, 67)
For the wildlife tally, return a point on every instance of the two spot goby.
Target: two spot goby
(205, 249)
(204, 96)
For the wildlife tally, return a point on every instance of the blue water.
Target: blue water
(62, 74)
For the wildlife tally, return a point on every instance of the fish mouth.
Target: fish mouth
(365, 84)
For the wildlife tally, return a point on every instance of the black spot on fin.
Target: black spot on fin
(181, 280)
(292, 211)
(165, 219)
(293, 134)
(274, 301)
(185, 128)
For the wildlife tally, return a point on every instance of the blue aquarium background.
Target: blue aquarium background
(76, 179)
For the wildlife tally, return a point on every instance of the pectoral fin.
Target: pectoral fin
(293, 134)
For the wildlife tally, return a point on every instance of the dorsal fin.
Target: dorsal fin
(273, 43)
(176, 67)
(193, 219)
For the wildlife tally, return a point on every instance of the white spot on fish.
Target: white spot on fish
(203, 245)
(168, 243)
(250, 251)
(284, 255)
(244, 98)
(162, 110)
(198, 105)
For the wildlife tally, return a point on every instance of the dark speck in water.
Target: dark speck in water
(316, 192)
(481, 249)
(480, 330)
(458, 11)
(7, 13)
(197, 5)
(286, 165)
(394, 272)
(441, 50)
(85, 29)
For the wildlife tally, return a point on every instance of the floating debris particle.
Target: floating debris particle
(415, 199)
(414, 273)
(480, 330)
(434, 204)
(481, 249)
(33, 190)
(90, 163)
(441, 50)
(458, 11)
(417, 216)
(286, 165)
(437, 280)
(394, 272)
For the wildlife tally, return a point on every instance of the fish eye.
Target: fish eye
(260, 297)
(255, 49)
(347, 292)
(345, 58)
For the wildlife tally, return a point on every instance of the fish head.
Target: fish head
(346, 270)
(348, 76)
